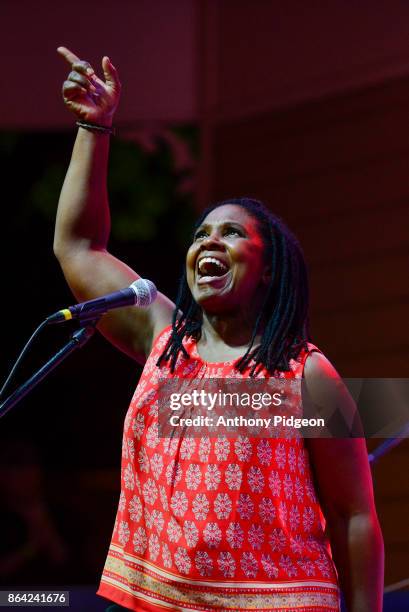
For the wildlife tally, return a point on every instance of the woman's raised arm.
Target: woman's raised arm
(83, 218)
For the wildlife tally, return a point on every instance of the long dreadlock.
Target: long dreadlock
(284, 313)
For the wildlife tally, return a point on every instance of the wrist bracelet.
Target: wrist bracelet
(94, 127)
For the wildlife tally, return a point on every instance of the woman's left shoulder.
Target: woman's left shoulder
(317, 365)
(311, 362)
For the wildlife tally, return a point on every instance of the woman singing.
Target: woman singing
(217, 523)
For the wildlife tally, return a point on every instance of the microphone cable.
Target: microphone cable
(21, 356)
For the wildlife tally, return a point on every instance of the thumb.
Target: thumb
(110, 74)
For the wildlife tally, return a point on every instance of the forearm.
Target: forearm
(358, 553)
(83, 219)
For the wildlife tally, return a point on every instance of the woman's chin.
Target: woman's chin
(213, 299)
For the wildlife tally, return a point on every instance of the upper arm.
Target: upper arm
(340, 464)
(91, 273)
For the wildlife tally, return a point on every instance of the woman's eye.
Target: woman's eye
(229, 231)
(232, 231)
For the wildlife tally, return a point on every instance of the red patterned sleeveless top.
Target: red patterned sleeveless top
(215, 523)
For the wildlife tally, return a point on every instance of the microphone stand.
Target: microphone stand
(389, 444)
(78, 339)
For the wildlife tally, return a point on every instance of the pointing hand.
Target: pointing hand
(90, 98)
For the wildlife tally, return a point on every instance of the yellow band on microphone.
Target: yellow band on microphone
(66, 314)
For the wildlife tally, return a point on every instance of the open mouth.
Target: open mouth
(210, 268)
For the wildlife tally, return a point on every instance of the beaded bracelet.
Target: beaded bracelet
(94, 127)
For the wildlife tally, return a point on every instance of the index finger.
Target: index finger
(68, 55)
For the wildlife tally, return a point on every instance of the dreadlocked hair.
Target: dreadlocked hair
(283, 317)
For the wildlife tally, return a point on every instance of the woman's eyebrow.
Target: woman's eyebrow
(221, 224)
(236, 224)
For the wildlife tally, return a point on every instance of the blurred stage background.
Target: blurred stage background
(305, 106)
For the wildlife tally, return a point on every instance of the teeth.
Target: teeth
(213, 260)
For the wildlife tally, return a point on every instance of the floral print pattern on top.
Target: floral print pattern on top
(237, 511)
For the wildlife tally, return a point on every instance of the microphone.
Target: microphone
(141, 293)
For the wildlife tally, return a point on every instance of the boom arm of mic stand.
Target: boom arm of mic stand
(386, 446)
(78, 339)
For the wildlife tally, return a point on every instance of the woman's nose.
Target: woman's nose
(212, 240)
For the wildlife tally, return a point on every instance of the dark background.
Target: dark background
(70, 427)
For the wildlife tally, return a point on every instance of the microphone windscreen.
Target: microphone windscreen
(145, 292)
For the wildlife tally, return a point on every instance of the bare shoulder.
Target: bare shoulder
(325, 394)
(318, 366)
(323, 384)
(339, 462)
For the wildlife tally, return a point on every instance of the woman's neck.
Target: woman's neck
(232, 330)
